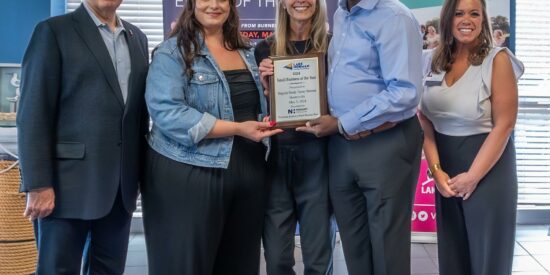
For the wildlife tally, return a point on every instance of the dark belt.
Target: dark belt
(381, 128)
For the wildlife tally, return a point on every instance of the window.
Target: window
(532, 134)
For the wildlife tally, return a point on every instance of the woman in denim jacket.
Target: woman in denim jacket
(205, 168)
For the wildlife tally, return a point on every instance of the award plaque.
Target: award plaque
(297, 91)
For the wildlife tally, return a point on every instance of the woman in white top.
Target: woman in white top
(468, 113)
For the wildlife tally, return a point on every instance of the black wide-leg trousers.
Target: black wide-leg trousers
(201, 220)
(476, 236)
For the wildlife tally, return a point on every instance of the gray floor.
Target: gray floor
(532, 255)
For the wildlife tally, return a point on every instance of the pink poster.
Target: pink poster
(423, 216)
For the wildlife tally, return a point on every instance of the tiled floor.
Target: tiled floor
(531, 256)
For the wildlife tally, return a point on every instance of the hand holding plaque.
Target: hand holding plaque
(297, 90)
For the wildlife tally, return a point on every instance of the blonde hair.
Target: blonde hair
(318, 35)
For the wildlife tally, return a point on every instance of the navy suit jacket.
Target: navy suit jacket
(75, 133)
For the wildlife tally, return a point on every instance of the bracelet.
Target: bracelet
(433, 168)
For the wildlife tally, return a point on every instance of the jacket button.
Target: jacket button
(201, 77)
(119, 143)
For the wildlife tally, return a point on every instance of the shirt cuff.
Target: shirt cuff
(201, 129)
(350, 123)
(340, 128)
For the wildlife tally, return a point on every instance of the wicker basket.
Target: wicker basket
(17, 244)
(7, 116)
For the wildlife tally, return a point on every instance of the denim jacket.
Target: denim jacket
(184, 110)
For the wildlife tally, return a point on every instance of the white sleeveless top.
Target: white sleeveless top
(464, 108)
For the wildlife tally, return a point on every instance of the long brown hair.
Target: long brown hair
(318, 35)
(188, 27)
(444, 53)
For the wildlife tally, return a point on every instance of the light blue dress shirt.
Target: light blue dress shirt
(375, 61)
(118, 49)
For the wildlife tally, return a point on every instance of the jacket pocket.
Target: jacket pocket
(203, 91)
(70, 150)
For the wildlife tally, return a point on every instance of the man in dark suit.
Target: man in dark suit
(81, 126)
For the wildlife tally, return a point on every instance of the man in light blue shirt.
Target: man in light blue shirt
(374, 85)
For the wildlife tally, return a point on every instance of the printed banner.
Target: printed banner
(257, 16)
(423, 216)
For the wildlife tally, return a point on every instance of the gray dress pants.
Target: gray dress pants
(372, 184)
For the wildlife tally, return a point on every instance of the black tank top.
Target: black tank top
(245, 98)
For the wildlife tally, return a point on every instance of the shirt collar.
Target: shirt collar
(364, 4)
(98, 22)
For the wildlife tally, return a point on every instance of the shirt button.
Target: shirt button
(201, 77)
(331, 110)
(337, 52)
(331, 70)
(344, 34)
